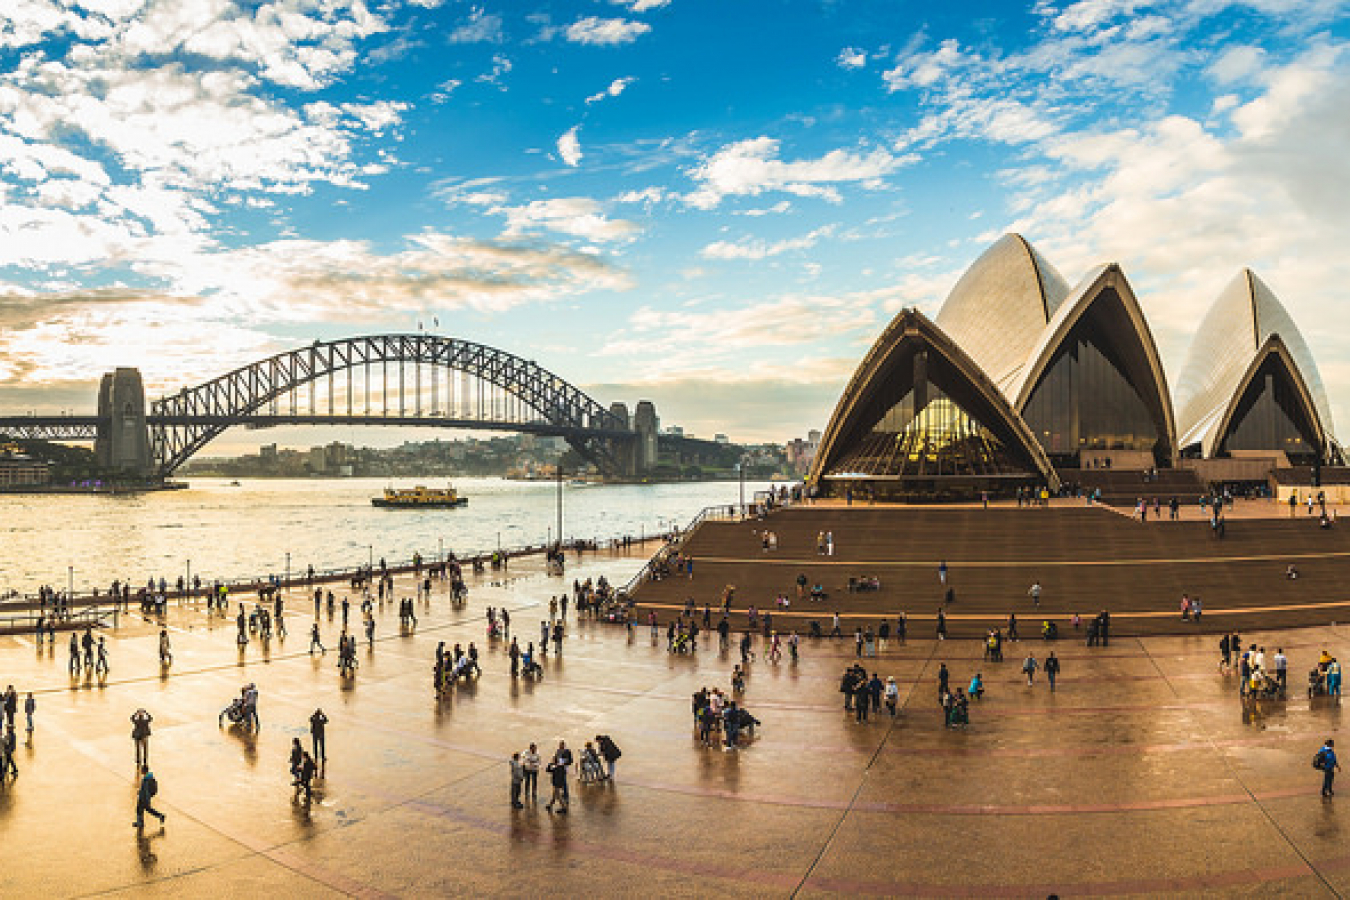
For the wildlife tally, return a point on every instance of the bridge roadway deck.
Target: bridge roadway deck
(1142, 776)
(1086, 560)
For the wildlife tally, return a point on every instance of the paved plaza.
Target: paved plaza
(1142, 774)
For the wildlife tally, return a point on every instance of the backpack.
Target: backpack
(1320, 760)
(151, 786)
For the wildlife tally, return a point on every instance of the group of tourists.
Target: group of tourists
(863, 695)
(597, 764)
(718, 715)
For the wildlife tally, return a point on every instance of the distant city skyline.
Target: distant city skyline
(714, 207)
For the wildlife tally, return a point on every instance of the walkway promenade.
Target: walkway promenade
(1142, 775)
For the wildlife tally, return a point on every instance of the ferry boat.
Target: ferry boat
(419, 497)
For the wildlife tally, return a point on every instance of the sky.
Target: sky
(713, 205)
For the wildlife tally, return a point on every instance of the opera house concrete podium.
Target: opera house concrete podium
(1023, 381)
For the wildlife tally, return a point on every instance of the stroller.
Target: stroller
(1317, 682)
(236, 712)
(591, 770)
(531, 669)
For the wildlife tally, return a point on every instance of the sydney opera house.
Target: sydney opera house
(1024, 380)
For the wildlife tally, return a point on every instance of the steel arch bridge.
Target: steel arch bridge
(398, 379)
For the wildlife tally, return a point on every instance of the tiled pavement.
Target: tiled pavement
(1141, 775)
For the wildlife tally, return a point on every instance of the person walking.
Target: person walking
(1326, 761)
(530, 762)
(145, 796)
(314, 639)
(102, 665)
(165, 655)
(1052, 669)
(517, 780)
(892, 695)
(8, 746)
(307, 772)
(1029, 666)
(140, 735)
(1281, 668)
(74, 654)
(1035, 594)
(297, 760)
(943, 677)
(317, 721)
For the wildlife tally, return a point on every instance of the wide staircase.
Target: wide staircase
(1086, 560)
(1125, 487)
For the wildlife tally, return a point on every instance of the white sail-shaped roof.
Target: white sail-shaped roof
(998, 310)
(1237, 329)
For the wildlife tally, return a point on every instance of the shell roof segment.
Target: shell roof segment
(1239, 323)
(999, 307)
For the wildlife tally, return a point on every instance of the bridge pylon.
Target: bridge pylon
(122, 444)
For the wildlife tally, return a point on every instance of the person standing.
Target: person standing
(517, 780)
(558, 770)
(297, 760)
(941, 625)
(165, 655)
(74, 654)
(1034, 592)
(316, 733)
(140, 735)
(530, 761)
(1281, 668)
(29, 707)
(942, 572)
(892, 695)
(145, 796)
(1326, 761)
(609, 751)
(943, 677)
(102, 665)
(1052, 669)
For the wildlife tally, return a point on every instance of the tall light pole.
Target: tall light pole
(560, 530)
(740, 468)
(70, 583)
(440, 545)
(285, 585)
(371, 548)
(187, 585)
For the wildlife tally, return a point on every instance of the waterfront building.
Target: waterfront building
(24, 471)
(1022, 380)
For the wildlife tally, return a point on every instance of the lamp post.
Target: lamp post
(70, 584)
(371, 548)
(286, 584)
(187, 585)
(740, 468)
(440, 549)
(560, 504)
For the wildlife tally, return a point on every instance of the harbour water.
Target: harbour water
(225, 531)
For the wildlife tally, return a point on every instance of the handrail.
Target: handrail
(723, 512)
(83, 616)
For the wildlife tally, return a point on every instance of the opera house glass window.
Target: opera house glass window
(1270, 416)
(924, 433)
(1085, 400)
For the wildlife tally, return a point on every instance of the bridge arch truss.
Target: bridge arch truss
(494, 390)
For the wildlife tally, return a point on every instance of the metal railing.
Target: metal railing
(761, 505)
(26, 620)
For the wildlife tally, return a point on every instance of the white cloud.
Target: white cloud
(925, 69)
(851, 58)
(1237, 64)
(569, 147)
(616, 87)
(501, 66)
(752, 167)
(759, 249)
(578, 216)
(642, 6)
(595, 30)
(479, 28)
(650, 194)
